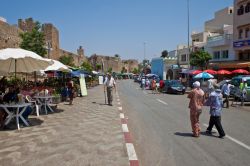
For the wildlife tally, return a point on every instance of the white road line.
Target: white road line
(119, 108)
(125, 128)
(232, 139)
(121, 115)
(162, 101)
(119, 103)
(131, 151)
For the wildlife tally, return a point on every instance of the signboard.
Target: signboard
(242, 43)
(83, 85)
(100, 80)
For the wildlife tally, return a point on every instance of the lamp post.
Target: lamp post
(188, 29)
(144, 44)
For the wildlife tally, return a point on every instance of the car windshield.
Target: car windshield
(175, 83)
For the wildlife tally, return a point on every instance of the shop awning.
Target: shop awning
(230, 65)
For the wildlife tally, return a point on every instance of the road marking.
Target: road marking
(131, 151)
(121, 115)
(125, 128)
(162, 101)
(119, 103)
(119, 108)
(232, 139)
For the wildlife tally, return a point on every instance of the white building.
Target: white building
(183, 56)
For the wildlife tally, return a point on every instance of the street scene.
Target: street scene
(125, 83)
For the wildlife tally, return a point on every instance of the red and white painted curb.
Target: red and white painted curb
(133, 160)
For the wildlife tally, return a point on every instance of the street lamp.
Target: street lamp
(188, 28)
(144, 44)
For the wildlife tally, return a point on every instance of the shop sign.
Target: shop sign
(242, 43)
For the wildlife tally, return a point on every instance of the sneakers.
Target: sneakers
(221, 136)
(208, 132)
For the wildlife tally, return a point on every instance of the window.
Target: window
(183, 58)
(240, 33)
(216, 55)
(230, 11)
(241, 57)
(225, 54)
(247, 33)
(241, 10)
(247, 8)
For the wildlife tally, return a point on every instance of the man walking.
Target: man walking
(109, 84)
(215, 103)
(226, 92)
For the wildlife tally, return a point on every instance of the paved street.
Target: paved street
(161, 131)
(87, 133)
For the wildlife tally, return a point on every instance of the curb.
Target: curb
(133, 160)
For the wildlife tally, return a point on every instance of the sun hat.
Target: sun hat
(196, 84)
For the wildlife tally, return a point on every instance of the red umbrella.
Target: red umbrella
(240, 71)
(222, 72)
(195, 72)
(210, 71)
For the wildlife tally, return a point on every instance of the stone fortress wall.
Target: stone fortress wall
(9, 38)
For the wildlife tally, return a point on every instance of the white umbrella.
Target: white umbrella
(20, 60)
(57, 66)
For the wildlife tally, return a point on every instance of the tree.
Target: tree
(135, 71)
(117, 55)
(110, 70)
(34, 40)
(164, 54)
(98, 66)
(87, 66)
(200, 59)
(124, 70)
(67, 60)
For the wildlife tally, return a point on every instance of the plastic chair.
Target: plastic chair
(34, 103)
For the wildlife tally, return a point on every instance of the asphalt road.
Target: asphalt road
(161, 130)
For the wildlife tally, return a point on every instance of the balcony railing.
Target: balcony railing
(220, 37)
(219, 40)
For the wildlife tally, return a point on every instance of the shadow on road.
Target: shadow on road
(183, 134)
(99, 103)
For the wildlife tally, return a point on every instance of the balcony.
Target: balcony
(220, 40)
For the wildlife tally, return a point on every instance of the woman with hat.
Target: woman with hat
(196, 97)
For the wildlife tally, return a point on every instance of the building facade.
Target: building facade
(183, 53)
(241, 35)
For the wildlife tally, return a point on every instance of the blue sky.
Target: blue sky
(110, 27)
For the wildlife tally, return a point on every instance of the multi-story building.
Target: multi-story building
(183, 56)
(213, 27)
(241, 35)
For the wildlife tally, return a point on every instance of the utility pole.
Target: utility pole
(188, 28)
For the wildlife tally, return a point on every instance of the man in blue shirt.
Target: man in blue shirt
(215, 103)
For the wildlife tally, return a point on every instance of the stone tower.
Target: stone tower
(52, 41)
(26, 25)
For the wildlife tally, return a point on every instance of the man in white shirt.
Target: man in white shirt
(226, 93)
(109, 84)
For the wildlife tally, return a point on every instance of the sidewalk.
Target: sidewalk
(88, 133)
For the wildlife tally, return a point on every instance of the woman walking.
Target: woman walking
(196, 97)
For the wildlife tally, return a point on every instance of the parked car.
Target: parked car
(174, 86)
(235, 81)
